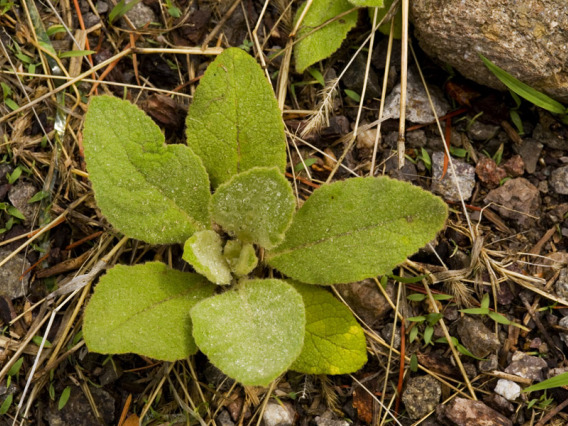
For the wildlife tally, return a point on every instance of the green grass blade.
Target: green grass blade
(523, 90)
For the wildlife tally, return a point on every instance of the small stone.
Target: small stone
(466, 412)
(354, 78)
(528, 367)
(465, 176)
(489, 173)
(561, 284)
(421, 396)
(518, 200)
(559, 180)
(366, 300)
(488, 364)
(278, 415)
(418, 108)
(386, 333)
(543, 132)
(102, 7)
(366, 139)
(10, 284)
(140, 15)
(329, 419)
(416, 139)
(476, 337)
(224, 419)
(90, 20)
(19, 196)
(508, 389)
(500, 404)
(514, 166)
(529, 151)
(479, 131)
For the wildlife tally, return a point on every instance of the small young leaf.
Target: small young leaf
(252, 333)
(553, 382)
(497, 317)
(367, 3)
(234, 123)
(416, 297)
(317, 75)
(485, 301)
(15, 368)
(524, 90)
(356, 229)
(413, 363)
(417, 319)
(353, 95)
(64, 398)
(74, 53)
(475, 311)
(121, 9)
(413, 334)
(38, 340)
(241, 257)
(204, 251)
(334, 342)
(322, 43)
(40, 195)
(150, 191)
(13, 211)
(428, 333)
(6, 404)
(144, 309)
(257, 206)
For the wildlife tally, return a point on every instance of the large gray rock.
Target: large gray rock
(527, 38)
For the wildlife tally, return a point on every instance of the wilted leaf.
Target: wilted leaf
(204, 251)
(322, 43)
(234, 122)
(148, 190)
(334, 341)
(356, 229)
(144, 309)
(252, 333)
(257, 206)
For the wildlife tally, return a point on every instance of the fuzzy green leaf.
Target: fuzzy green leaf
(234, 122)
(242, 258)
(321, 43)
(144, 309)
(367, 3)
(356, 229)
(257, 206)
(334, 342)
(204, 251)
(252, 333)
(149, 191)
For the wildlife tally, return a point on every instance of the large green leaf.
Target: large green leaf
(204, 251)
(144, 309)
(252, 333)
(524, 90)
(150, 191)
(313, 46)
(356, 229)
(334, 342)
(234, 122)
(257, 206)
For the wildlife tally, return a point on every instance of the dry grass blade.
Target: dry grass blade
(320, 118)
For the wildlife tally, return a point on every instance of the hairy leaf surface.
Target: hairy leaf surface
(144, 309)
(242, 258)
(313, 46)
(356, 229)
(252, 333)
(204, 251)
(148, 190)
(334, 342)
(257, 206)
(234, 122)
